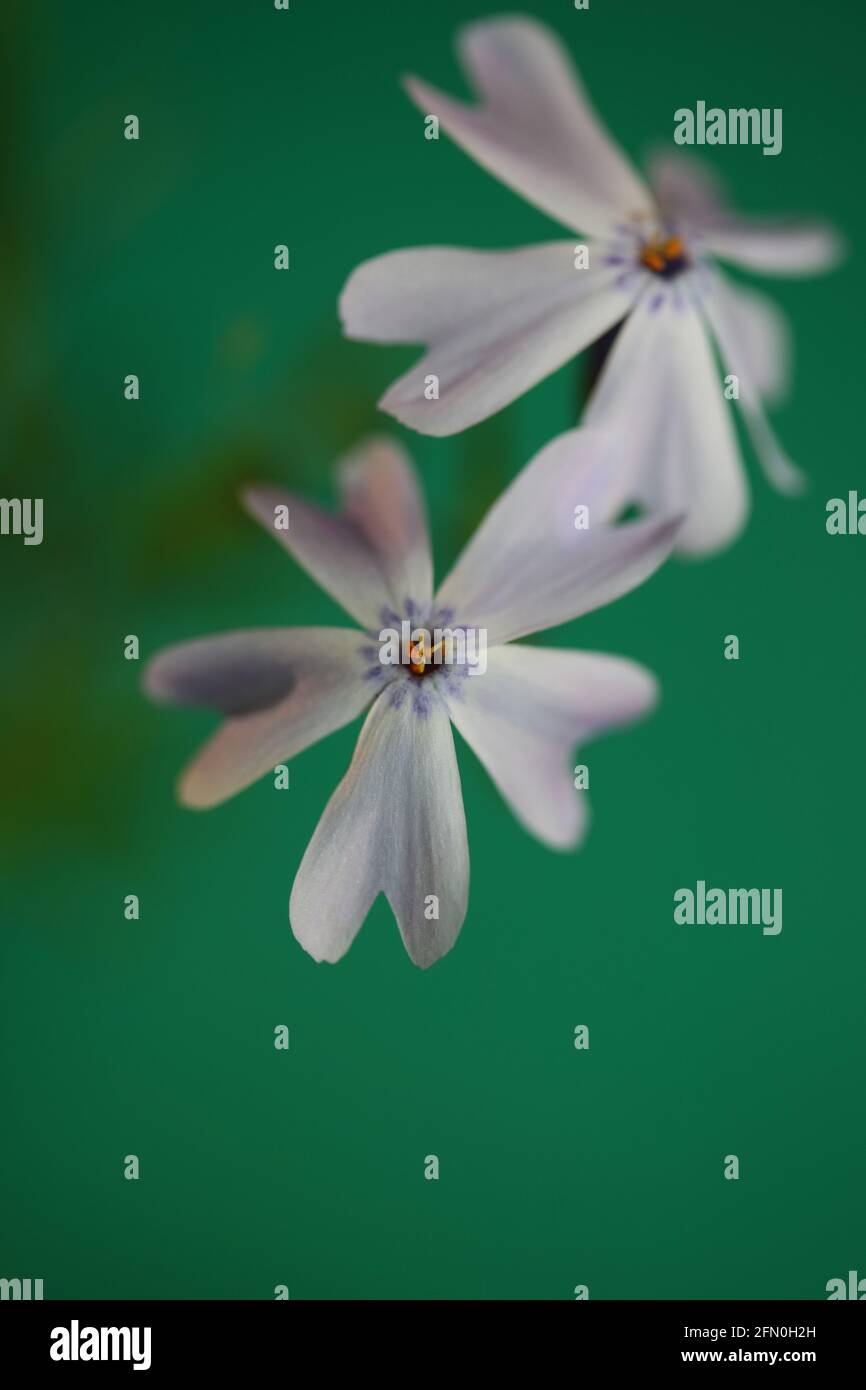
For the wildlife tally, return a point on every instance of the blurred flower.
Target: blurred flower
(496, 323)
(395, 824)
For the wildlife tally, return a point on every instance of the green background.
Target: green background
(259, 1167)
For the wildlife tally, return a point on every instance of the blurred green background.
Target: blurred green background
(155, 1037)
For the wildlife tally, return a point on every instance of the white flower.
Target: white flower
(496, 323)
(395, 824)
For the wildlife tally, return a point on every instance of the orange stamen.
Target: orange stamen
(653, 260)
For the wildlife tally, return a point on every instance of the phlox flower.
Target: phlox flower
(395, 824)
(495, 323)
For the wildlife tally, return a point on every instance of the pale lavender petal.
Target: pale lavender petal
(776, 247)
(738, 352)
(661, 399)
(282, 688)
(526, 713)
(395, 825)
(376, 554)
(534, 126)
(688, 191)
(693, 197)
(760, 337)
(495, 324)
(529, 567)
(382, 497)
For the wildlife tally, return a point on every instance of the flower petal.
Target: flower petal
(495, 323)
(383, 499)
(528, 567)
(660, 396)
(739, 352)
(692, 196)
(524, 716)
(282, 688)
(534, 127)
(776, 247)
(762, 336)
(376, 554)
(395, 825)
(689, 192)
